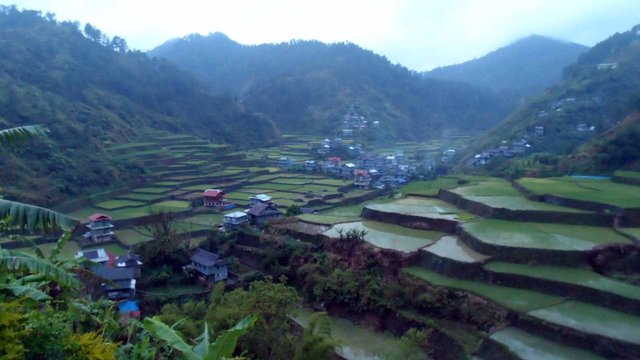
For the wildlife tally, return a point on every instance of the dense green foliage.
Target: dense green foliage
(524, 68)
(307, 86)
(90, 92)
(589, 106)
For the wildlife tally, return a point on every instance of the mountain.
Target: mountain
(307, 86)
(589, 115)
(524, 68)
(90, 91)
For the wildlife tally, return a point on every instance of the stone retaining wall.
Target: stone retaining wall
(411, 221)
(605, 346)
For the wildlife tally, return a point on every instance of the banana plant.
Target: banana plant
(221, 348)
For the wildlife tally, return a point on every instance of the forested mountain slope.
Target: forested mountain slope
(599, 91)
(524, 68)
(90, 91)
(306, 86)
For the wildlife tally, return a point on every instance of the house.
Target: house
(100, 228)
(361, 179)
(584, 127)
(211, 266)
(332, 166)
(311, 166)
(213, 198)
(376, 123)
(285, 162)
(347, 132)
(98, 256)
(128, 260)
(607, 66)
(259, 214)
(346, 170)
(235, 219)
(121, 282)
(539, 130)
(375, 174)
(260, 199)
(325, 149)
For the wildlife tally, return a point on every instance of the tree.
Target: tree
(317, 343)
(24, 215)
(293, 210)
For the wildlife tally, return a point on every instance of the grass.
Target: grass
(118, 204)
(592, 319)
(332, 182)
(520, 203)
(326, 219)
(142, 197)
(152, 190)
(542, 235)
(627, 174)
(68, 252)
(199, 187)
(530, 347)
(272, 186)
(634, 232)
(488, 188)
(132, 236)
(514, 299)
(430, 188)
(388, 236)
(206, 219)
(170, 205)
(575, 276)
(291, 181)
(602, 191)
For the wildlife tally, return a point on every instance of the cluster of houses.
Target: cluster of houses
(506, 149)
(354, 122)
(336, 145)
(369, 171)
(120, 273)
(262, 208)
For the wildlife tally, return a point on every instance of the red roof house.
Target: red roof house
(213, 197)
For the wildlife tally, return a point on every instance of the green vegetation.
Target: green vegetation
(542, 235)
(355, 341)
(142, 197)
(596, 190)
(592, 319)
(515, 299)
(521, 203)
(152, 190)
(531, 347)
(117, 204)
(576, 276)
(430, 188)
(132, 236)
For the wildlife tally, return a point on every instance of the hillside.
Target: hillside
(524, 68)
(307, 86)
(598, 92)
(91, 91)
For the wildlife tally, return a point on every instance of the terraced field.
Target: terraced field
(388, 236)
(603, 191)
(425, 207)
(542, 235)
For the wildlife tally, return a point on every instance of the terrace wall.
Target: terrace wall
(411, 221)
(484, 210)
(605, 346)
(526, 255)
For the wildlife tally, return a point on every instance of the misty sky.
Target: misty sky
(417, 34)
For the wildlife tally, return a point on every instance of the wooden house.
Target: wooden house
(210, 266)
(213, 198)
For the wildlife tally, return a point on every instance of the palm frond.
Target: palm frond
(22, 133)
(17, 261)
(26, 216)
